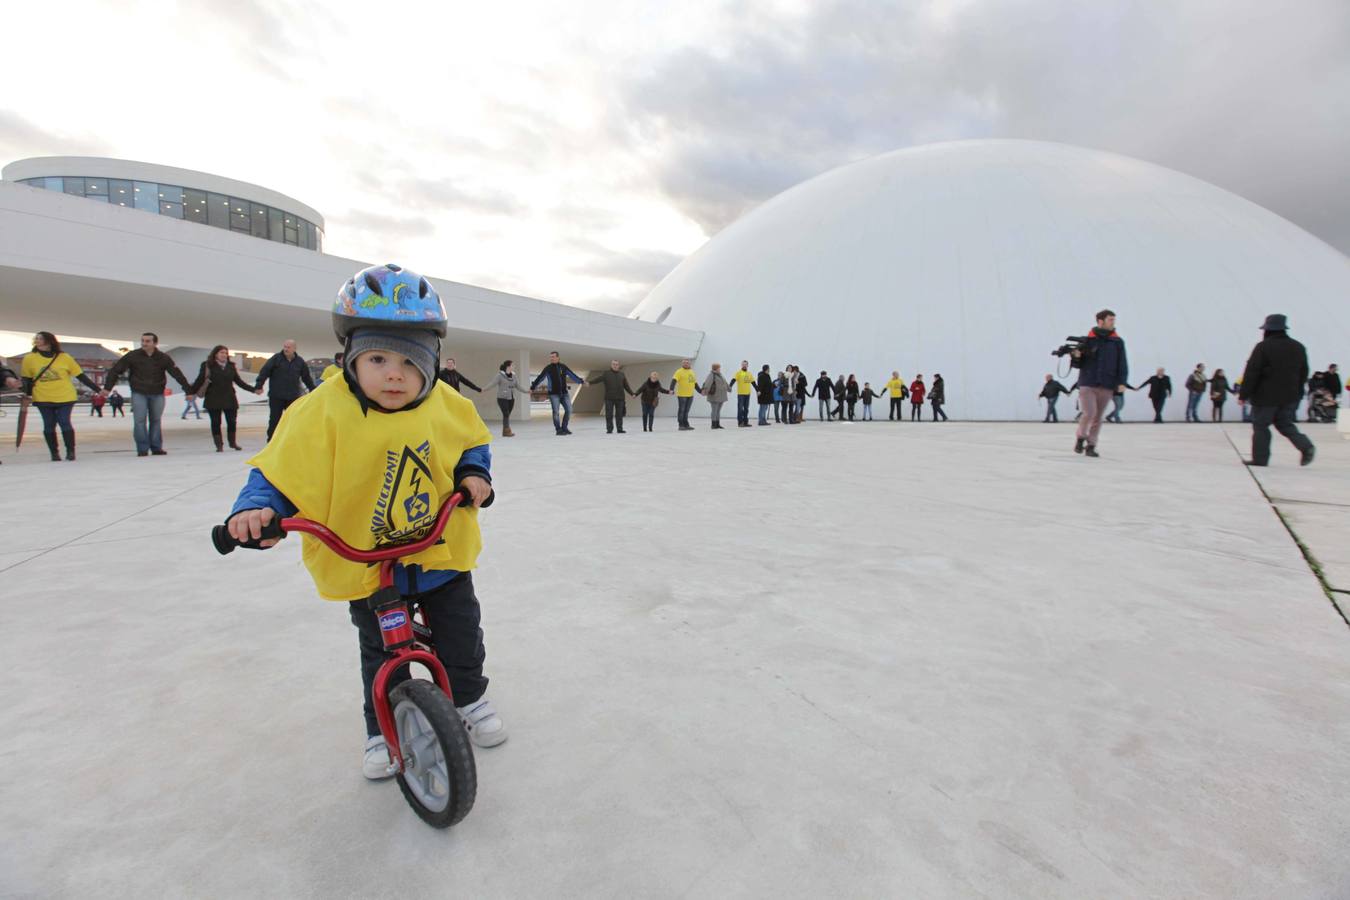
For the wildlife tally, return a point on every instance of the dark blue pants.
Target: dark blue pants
(742, 409)
(451, 612)
(54, 414)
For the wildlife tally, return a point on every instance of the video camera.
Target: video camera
(1076, 349)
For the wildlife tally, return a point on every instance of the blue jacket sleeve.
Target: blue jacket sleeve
(475, 461)
(258, 493)
(574, 376)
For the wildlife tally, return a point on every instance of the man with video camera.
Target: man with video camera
(1100, 358)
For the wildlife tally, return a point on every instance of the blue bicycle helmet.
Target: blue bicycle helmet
(387, 297)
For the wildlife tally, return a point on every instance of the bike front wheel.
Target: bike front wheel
(439, 779)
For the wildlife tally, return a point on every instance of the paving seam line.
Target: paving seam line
(130, 515)
(1313, 565)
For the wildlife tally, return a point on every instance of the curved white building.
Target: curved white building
(975, 259)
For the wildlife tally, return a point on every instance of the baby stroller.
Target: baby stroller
(1321, 406)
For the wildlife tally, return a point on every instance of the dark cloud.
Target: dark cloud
(639, 267)
(1252, 96)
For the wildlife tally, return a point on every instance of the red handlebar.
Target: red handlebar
(347, 551)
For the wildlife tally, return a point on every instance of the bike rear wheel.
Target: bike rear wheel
(439, 779)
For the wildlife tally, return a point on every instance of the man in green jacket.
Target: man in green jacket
(616, 388)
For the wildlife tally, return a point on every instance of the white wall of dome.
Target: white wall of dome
(976, 258)
(197, 197)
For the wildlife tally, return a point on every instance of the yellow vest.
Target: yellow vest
(745, 382)
(896, 387)
(329, 373)
(54, 386)
(374, 479)
(685, 379)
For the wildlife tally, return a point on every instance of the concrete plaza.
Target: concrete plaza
(848, 660)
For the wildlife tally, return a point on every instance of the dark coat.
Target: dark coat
(146, 372)
(764, 386)
(1158, 388)
(851, 391)
(220, 384)
(823, 387)
(1104, 363)
(616, 384)
(1052, 390)
(650, 392)
(938, 393)
(286, 376)
(1276, 371)
(557, 375)
(454, 378)
(1218, 385)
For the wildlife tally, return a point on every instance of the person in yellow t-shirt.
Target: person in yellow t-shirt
(46, 374)
(334, 370)
(685, 384)
(374, 462)
(898, 390)
(744, 380)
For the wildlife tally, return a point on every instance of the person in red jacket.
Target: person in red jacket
(916, 392)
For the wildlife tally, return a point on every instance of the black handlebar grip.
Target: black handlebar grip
(224, 542)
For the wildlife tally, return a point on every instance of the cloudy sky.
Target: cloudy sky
(577, 152)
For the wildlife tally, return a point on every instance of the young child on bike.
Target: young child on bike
(373, 455)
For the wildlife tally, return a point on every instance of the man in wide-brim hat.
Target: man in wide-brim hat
(1273, 383)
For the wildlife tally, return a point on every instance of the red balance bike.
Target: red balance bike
(429, 748)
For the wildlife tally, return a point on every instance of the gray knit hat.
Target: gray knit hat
(422, 347)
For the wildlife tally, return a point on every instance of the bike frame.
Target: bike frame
(391, 610)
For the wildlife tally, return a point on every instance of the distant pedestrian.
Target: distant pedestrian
(47, 374)
(333, 370)
(559, 394)
(779, 385)
(1050, 392)
(685, 385)
(1104, 368)
(287, 371)
(1331, 381)
(800, 385)
(1219, 390)
(916, 395)
(745, 386)
(898, 390)
(824, 387)
(840, 389)
(1159, 389)
(216, 380)
(1118, 404)
(96, 404)
(937, 396)
(764, 388)
(851, 394)
(1195, 389)
(649, 394)
(455, 378)
(147, 369)
(115, 401)
(617, 391)
(716, 390)
(867, 396)
(507, 387)
(1273, 381)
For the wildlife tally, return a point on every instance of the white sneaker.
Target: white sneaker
(485, 727)
(376, 764)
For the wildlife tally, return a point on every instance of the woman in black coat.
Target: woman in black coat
(220, 376)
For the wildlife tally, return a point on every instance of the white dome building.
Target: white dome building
(975, 259)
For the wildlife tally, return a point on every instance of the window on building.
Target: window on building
(121, 192)
(259, 217)
(218, 210)
(52, 184)
(171, 201)
(194, 206)
(275, 230)
(96, 189)
(74, 186)
(292, 229)
(239, 220)
(146, 195)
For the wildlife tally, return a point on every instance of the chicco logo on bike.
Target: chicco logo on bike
(393, 621)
